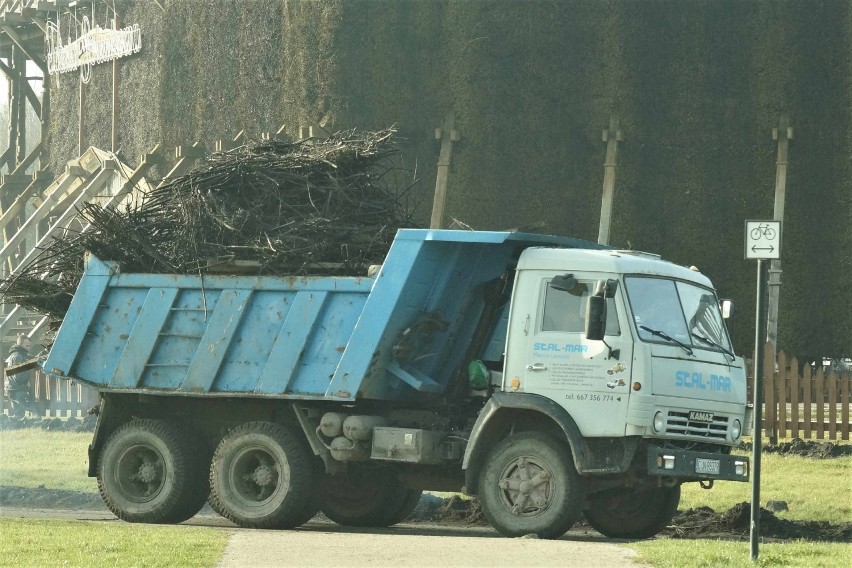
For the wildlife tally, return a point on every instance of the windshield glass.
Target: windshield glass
(686, 312)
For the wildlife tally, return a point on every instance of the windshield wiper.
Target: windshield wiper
(667, 337)
(714, 344)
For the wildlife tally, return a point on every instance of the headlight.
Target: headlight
(659, 422)
(736, 430)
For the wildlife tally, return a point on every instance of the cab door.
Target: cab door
(549, 354)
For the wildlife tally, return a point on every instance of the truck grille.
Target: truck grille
(678, 425)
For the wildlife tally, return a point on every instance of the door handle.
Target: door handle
(536, 367)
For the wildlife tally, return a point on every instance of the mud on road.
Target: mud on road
(702, 522)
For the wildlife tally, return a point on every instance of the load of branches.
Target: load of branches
(315, 207)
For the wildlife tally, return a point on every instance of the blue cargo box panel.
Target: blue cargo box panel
(300, 337)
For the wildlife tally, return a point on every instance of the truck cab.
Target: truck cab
(629, 356)
(664, 368)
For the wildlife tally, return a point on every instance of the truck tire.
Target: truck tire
(367, 497)
(149, 473)
(633, 514)
(409, 503)
(263, 477)
(528, 485)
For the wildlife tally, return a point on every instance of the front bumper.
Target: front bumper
(686, 465)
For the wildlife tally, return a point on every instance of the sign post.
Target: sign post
(762, 242)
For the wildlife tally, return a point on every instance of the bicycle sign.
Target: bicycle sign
(762, 240)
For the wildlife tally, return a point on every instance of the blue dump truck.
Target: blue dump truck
(549, 376)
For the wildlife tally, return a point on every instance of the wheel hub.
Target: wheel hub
(526, 487)
(147, 473)
(262, 475)
(140, 473)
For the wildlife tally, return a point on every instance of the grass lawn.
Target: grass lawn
(704, 553)
(815, 490)
(83, 544)
(57, 460)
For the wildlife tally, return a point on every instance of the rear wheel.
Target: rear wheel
(367, 497)
(529, 486)
(631, 513)
(408, 504)
(149, 473)
(262, 476)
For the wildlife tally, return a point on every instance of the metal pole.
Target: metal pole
(759, 341)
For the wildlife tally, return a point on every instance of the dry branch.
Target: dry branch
(308, 208)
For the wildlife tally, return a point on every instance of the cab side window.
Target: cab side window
(566, 311)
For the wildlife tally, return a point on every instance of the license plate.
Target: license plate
(698, 416)
(707, 466)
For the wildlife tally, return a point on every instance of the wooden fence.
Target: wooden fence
(803, 404)
(58, 398)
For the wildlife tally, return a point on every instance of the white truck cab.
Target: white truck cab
(663, 368)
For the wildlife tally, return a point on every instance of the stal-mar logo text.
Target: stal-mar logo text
(567, 347)
(694, 380)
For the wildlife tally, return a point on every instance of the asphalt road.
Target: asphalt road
(322, 543)
(415, 545)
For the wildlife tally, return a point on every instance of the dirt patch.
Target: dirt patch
(454, 509)
(86, 424)
(808, 448)
(43, 498)
(704, 522)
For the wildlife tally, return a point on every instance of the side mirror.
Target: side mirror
(596, 318)
(606, 288)
(727, 308)
(564, 283)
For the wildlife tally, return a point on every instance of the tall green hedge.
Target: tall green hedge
(698, 87)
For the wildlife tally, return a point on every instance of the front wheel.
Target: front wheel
(529, 486)
(262, 477)
(633, 514)
(149, 472)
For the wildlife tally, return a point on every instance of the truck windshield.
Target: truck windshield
(686, 312)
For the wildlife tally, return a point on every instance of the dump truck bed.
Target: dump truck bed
(337, 338)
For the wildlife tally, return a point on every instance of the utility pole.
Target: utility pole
(18, 109)
(783, 134)
(612, 137)
(81, 132)
(447, 134)
(115, 77)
